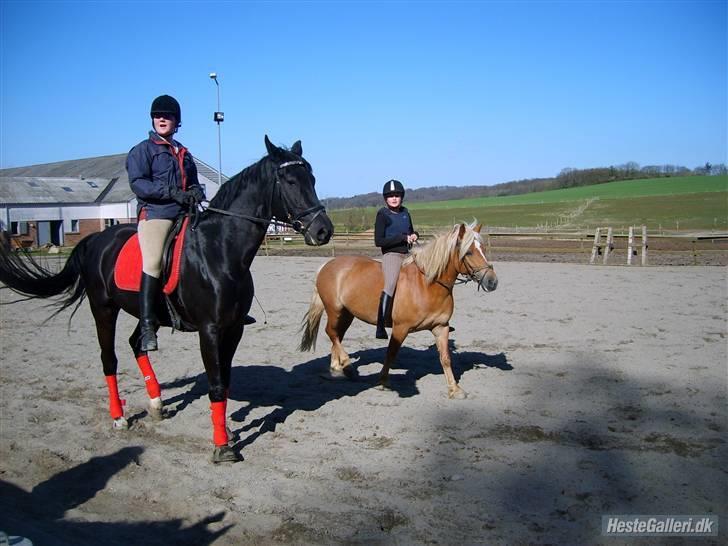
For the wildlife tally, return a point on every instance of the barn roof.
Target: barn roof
(91, 180)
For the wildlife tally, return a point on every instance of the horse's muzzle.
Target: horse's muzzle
(319, 231)
(489, 281)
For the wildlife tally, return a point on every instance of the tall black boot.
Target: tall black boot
(385, 309)
(147, 317)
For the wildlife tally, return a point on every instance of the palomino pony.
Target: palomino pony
(349, 286)
(215, 289)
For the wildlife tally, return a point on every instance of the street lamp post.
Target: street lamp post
(218, 118)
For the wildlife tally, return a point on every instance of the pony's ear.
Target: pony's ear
(297, 148)
(461, 230)
(273, 150)
(477, 228)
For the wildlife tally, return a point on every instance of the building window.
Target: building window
(108, 222)
(19, 228)
(74, 226)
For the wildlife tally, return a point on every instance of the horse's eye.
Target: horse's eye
(469, 253)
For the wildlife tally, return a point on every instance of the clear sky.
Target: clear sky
(431, 93)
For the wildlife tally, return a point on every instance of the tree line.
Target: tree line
(567, 178)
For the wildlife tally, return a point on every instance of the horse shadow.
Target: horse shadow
(41, 513)
(308, 386)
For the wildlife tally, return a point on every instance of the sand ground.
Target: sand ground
(592, 390)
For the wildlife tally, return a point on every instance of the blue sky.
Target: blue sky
(431, 93)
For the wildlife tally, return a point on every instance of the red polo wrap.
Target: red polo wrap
(116, 405)
(219, 433)
(150, 379)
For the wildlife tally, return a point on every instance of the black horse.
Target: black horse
(215, 289)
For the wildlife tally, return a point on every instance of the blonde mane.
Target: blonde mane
(433, 257)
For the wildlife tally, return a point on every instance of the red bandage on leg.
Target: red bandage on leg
(219, 433)
(116, 405)
(150, 380)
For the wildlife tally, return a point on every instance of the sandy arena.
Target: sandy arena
(592, 391)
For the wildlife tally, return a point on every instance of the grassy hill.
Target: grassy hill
(684, 203)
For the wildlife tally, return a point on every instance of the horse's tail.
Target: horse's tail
(311, 321)
(22, 274)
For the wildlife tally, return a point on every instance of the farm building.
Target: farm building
(60, 203)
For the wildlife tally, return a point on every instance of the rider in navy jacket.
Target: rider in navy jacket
(163, 176)
(156, 177)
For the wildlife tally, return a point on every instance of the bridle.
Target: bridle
(473, 274)
(293, 220)
(464, 278)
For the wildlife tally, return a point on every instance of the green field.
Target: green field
(684, 203)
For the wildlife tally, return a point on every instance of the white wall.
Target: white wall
(28, 213)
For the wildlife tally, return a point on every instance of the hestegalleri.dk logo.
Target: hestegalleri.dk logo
(662, 525)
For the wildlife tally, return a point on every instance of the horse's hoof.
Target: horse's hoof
(225, 454)
(156, 409)
(458, 394)
(120, 424)
(383, 386)
(334, 374)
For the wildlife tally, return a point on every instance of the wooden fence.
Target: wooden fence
(577, 243)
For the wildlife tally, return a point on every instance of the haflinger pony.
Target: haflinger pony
(349, 286)
(215, 288)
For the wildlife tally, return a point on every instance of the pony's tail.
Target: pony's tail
(311, 321)
(23, 275)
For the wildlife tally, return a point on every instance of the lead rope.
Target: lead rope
(265, 315)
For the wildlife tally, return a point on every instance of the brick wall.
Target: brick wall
(87, 227)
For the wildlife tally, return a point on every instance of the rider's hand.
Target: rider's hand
(198, 193)
(178, 196)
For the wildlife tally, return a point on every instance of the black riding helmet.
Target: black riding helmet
(393, 187)
(164, 104)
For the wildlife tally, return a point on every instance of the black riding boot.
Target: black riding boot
(147, 318)
(384, 314)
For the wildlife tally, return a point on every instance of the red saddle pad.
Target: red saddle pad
(128, 268)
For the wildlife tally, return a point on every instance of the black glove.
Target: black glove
(188, 198)
(198, 193)
(178, 196)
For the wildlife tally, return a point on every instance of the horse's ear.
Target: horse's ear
(297, 148)
(461, 230)
(273, 150)
(477, 228)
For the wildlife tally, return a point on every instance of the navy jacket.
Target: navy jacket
(155, 168)
(391, 230)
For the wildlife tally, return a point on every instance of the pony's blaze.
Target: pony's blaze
(489, 281)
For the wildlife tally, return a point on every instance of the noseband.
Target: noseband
(473, 274)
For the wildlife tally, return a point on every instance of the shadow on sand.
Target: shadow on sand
(308, 387)
(40, 514)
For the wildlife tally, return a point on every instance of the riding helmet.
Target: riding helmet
(165, 104)
(393, 187)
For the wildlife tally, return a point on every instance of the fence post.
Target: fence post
(630, 245)
(608, 246)
(644, 245)
(595, 248)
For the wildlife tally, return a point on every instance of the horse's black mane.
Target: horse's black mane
(230, 190)
(261, 170)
